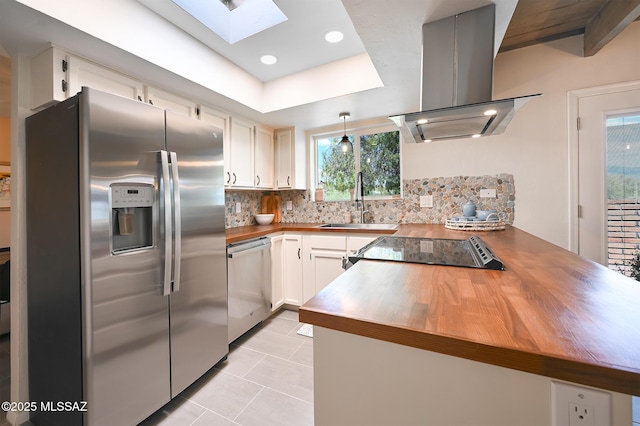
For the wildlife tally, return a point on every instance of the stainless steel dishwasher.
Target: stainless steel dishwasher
(249, 284)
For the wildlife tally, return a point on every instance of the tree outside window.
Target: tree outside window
(377, 155)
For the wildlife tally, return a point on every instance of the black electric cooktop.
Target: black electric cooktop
(469, 253)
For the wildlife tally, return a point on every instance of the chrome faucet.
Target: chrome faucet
(360, 198)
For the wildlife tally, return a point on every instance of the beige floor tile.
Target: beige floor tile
(240, 360)
(287, 314)
(274, 408)
(272, 344)
(279, 325)
(304, 355)
(223, 393)
(177, 412)
(285, 376)
(209, 418)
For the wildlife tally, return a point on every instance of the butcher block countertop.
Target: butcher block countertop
(253, 231)
(550, 313)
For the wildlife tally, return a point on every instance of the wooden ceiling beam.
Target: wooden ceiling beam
(608, 23)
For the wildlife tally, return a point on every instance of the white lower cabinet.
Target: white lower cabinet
(277, 272)
(292, 270)
(304, 264)
(323, 256)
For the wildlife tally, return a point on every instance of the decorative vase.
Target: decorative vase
(469, 209)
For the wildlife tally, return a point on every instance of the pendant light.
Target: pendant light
(345, 144)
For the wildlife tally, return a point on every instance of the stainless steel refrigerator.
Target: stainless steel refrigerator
(127, 293)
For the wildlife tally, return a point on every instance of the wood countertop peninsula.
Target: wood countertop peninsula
(550, 313)
(253, 231)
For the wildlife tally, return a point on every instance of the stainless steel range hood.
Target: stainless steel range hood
(457, 81)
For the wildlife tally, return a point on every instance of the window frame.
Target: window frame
(356, 133)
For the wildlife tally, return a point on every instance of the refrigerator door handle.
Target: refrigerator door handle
(177, 222)
(165, 208)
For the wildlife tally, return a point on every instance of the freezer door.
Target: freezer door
(126, 327)
(198, 306)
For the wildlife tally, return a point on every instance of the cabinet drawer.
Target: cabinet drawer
(356, 243)
(328, 242)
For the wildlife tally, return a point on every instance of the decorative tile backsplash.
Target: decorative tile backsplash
(449, 194)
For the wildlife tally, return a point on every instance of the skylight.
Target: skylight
(245, 19)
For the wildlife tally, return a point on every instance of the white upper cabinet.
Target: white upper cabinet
(222, 120)
(166, 100)
(263, 157)
(284, 158)
(56, 76)
(85, 73)
(48, 78)
(254, 156)
(241, 154)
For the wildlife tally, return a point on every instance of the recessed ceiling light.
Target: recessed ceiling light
(422, 121)
(476, 136)
(268, 59)
(334, 36)
(490, 112)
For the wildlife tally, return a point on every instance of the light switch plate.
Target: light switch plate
(426, 201)
(488, 193)
(238, 207)
(289, 205)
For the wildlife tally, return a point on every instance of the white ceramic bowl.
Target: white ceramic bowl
(264, 219)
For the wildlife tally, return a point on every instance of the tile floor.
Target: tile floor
(267, 379)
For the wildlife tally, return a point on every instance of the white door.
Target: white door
(597, 112)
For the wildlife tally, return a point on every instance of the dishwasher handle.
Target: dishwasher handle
(244, 247)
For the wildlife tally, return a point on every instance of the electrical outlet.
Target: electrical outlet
(426, 201)
(580, 415)
(573, 405)
(289, 205)
(238, 207)
(488, 193)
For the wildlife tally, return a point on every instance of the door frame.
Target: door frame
(573, 100)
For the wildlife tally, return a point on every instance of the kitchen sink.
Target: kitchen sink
(369, 226)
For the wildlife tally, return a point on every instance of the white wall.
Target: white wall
(535, 146)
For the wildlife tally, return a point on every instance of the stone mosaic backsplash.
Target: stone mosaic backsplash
(449, 194)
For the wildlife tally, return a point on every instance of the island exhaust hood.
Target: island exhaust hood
(457, 81)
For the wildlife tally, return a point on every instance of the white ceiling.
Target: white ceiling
(298, 42)
(389, 31)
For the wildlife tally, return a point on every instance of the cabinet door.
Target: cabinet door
(241, 155)
(166, 100)
(220, 119)
(326, 266)
(292, 271)
(277, 272)
(48, 78)
(263, 157)
(85, 73)
(284, 158)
